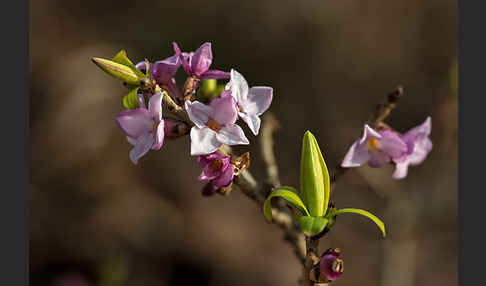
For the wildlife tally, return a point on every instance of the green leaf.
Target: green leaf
(119, 71)
(369, 215)
(312, 225)
(287, 193)
(123, 59)
(130, 100)
(314, 177)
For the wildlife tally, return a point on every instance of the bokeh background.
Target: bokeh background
(97, 219)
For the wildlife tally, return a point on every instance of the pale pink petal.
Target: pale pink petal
(258, 100)
(132, 140)
(164, 70)
(215, 74)
(253, 122)
(202, 59)
(356, 156)
(183, 60)
(224, 110)
(141, 100)
(232, 134)
(378, 158)
(134, 122)
(401, 170)
(392, 144)
(423, 130)
(143, 145)
(155, 107)
(203, 141)
(420, 151)
(238, 86)
(198, 112)
(159, 136)
(368, 134)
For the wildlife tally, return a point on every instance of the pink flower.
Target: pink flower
(330, 265)
(199, 63)
(216, 168)
(418, 147)
(375, 148)
(252, 102)
(143, 127)
(214, 125)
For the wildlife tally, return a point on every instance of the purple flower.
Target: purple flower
(143, 127)
(216, 168)
(418, 147)
(214, 125)
(330, 265)
(252, 102)
(375, 148)
(197, 64)
(163, 72)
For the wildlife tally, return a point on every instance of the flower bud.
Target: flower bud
(330, 265)
(117, 70)
(314, 177)
(175, 128)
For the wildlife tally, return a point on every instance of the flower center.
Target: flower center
(373, 144)
(213, 125)
(216, 165)
(337, 266)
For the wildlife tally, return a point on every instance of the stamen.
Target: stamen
(373, 144)
(213, 125)
(216, 165)
(338, 266)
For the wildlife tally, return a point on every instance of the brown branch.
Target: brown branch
(311, 259)
(270, 125)
(258, 192)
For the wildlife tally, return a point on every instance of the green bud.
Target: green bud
(119, 71)
(209, 86)
(314, 177)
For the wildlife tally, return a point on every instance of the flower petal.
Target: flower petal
(225, 178)
(232, 134)
(368, 134)
(141, 100)
(392, 144)
(134, 122)
(238, 86)
(253, 122)
(215, 74)
(203, 141)
(155, 106)
(164, 70)
(159, 136)
(202, 59)
(401, 170)
(423, 130)
(183, 60)
(198, 113)
(144, 143)
(356, 156)
(258, 100)
(224, 110)
(378, 158)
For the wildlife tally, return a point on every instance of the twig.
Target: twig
(270, 125)
(311, 259)
(172, 106)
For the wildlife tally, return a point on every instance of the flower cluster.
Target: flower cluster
(381, 147)
(211, 121)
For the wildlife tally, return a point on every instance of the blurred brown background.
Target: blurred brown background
(97, 217)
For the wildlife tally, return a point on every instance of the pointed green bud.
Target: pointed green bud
(314, 177)
(119, 71)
